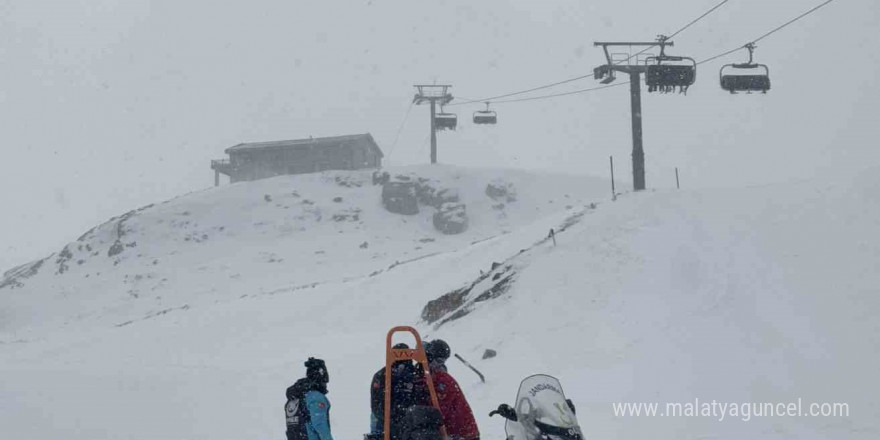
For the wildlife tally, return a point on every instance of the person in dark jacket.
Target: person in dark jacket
(407, 390)
(457, 415)
(307, 409)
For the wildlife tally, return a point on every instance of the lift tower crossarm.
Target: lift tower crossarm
(630, 43)
(606, 44)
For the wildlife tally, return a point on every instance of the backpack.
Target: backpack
(296, 415)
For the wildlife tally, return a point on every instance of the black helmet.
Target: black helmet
(400, 346)
(437, 351)
(316, 370)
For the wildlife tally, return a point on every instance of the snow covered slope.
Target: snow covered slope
(754, 294)
(281, 233)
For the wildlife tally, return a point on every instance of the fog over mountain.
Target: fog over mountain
(110, 105)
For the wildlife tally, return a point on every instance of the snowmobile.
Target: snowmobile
(540, 412)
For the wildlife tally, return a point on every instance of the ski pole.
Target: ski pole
(482, 378)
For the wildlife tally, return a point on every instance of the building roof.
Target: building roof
(365, 139)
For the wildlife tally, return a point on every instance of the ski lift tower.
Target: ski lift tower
(605, 73)
(433, 94)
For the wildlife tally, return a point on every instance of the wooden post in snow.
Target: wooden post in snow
(613, 192)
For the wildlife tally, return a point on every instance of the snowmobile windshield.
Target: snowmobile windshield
(542, 412)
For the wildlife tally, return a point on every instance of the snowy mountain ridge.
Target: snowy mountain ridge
(228, 242)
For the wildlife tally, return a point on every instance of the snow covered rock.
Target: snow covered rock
(13, 278)
(115, 249)
(461, 302)
(380, 177)
(402, 194)
(501, 191)
(400, 198)
(451, 218)
(433, 193)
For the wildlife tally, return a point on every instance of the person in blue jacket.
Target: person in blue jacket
(307, 409)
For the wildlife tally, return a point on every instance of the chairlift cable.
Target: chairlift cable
(698, 63)
(698, 19)
(555, 95)
(814, 9)
(621, 84)
(720, 55)
(492, 98)
(678, 31)
(791, 21)
(400, 129)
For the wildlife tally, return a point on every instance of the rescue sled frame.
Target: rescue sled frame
(399, 354)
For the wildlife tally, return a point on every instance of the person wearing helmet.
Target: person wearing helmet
(408, 389)
(457, 415)
(307, 409)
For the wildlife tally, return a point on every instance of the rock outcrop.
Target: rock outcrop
(400, 198)
(402, 194)
(451, 218)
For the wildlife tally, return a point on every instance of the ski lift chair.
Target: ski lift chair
(445, 121)
(604, 73)
(667, 74)
(485, 116)
(745, 77)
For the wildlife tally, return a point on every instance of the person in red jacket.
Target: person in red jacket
(457, 415)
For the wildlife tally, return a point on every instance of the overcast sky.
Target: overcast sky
(108, 105)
